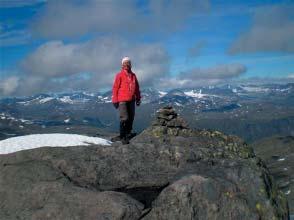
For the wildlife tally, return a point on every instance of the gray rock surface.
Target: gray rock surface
(167, 172)
(35, 190)
(278, 154)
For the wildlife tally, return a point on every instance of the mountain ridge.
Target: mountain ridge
(168, 171)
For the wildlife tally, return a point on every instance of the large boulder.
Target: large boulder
(167, 172)
(198, 197)
(36, 190)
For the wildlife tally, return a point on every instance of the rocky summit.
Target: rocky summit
(168, 171)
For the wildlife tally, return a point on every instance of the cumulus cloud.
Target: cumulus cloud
(56, 66)
(224, 71)
(203, 76)
(272, 30)
(62, 18)
(101, 56)
(8, 85)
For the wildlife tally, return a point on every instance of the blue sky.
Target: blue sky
(62, 45)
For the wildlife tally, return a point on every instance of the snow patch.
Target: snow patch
(32, 141)
(288, 192)
(24, 120)
(67, 120)
(255, 89)
(194, 94)
(44, 100)
(23, 103)
(66, 99)
(89, 94)
(106, 99)
(161, 93)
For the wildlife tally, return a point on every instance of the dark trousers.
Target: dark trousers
(126, 115)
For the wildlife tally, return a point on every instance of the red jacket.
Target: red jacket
(125, 87)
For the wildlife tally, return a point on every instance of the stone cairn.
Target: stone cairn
(167, 116)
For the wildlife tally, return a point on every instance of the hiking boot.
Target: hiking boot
(117, 138)
(125, 140)
(131, 135)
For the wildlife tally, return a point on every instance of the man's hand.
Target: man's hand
(138, 102)
(115, 104)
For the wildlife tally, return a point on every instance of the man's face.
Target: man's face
(127, 65)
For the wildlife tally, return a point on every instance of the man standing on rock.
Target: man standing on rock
(125, 94)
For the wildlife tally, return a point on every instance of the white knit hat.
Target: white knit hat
(125, 59)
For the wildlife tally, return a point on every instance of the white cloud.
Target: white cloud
(272, 30)
(56, 66)
(203, 76)
(224, 71)
(74, 18)
(9, 85)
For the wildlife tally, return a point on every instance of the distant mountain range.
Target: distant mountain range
(250, 111)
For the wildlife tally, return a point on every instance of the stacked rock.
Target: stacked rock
(167, 116)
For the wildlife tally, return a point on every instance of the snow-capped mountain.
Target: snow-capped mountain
(74, 110)
(151, 95)
(66, 98)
